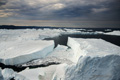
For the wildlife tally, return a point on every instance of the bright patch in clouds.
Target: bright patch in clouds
(99, 10)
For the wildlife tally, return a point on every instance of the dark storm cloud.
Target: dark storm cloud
(61, 9)
(77, 11)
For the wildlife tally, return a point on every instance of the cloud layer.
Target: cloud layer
(60, 9)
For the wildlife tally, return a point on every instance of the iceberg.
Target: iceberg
(18, 52)
(92, 47)
(98, 60)
(97, 68)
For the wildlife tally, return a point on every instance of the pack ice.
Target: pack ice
(18, 52)
(90, 59)
(94, 59)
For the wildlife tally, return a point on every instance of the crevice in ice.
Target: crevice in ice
(19, 68)
(15, 68)
(44, 65)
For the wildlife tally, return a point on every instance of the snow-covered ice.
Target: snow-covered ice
(17, 52)
(92, 47)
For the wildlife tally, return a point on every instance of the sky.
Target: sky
(59, 12)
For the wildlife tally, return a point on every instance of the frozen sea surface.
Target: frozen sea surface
(85, 55)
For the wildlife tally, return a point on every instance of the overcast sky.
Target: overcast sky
(51, 12)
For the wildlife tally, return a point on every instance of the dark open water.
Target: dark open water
(64, 38)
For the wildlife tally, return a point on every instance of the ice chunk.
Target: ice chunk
(9, 74)
(18, 52)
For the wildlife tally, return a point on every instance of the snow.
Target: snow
(18, 52)
(116, 33)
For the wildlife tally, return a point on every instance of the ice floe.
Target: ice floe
(18, 52)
